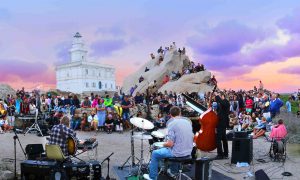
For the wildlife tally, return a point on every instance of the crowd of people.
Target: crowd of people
(248, 110)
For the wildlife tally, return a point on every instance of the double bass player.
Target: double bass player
(223, 116)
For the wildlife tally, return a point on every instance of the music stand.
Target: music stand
(35, 125)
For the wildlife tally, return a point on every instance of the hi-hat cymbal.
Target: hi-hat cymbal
(142, 137)
(142, 123)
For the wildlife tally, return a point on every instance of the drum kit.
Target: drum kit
(156, 136)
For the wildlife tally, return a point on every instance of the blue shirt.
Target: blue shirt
(288, 106)
(180, 131)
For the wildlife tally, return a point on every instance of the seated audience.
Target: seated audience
(260, 130)
(109, 123)
(93, 120)
(278, 131)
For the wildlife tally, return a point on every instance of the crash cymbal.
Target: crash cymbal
(142, 123)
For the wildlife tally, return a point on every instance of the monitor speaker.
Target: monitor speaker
(242, 150)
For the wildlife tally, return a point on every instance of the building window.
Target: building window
(100, 85)
(86, 71)
(86, 84)
(111, 86)
(99, 74)
(94, 84)
(105, 85)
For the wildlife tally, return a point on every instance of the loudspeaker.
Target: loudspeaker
(242, 150)
(34, 151)
(261, 175)
(38, 170)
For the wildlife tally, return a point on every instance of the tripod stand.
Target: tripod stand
(132, 156)
(15, 151)
(35, 125)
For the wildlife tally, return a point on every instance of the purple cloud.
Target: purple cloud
(225, 38)
(27, 71)
(62, 52)
(223, 51)
(291, 22)
(115, 31)
(107, 47)
(290, 70)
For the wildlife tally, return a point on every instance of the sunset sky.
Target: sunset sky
(240, 41)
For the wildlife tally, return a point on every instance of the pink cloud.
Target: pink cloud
(291, 70)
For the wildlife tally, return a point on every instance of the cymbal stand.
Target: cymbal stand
(35, 125)
(141, 162)
(132, 156)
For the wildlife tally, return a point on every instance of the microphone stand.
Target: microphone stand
(15, 150)
(108, 159)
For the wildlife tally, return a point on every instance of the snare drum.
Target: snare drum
(157, 145)
(157, 136)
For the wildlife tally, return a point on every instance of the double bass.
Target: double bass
(205, 139)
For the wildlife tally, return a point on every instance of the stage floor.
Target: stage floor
(122, 174)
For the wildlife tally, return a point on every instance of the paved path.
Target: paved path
(120, 145)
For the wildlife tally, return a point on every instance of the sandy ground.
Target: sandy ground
(120, 145)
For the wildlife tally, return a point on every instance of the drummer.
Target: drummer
(179, 141)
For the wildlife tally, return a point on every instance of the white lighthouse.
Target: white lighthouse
(78, 51)
(81, 75)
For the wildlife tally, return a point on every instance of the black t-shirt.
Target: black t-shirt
(125, 103)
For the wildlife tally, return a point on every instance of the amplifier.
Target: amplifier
(240, 134)
(95, 170)
(37, 170)
(242, 150)
(76, 171)
(83, 170)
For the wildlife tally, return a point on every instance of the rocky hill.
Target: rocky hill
(173, 61)
(5, 89)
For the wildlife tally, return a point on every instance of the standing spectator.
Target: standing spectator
(275, 105)
(95, 101)
(126, 104)
(223, 115)
(249, 104)
(101, 113)
(183, 50)
(261, 86)
(288, 105)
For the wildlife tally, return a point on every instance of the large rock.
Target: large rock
(182, 87)
(6, 175)
(172, 62)
(5, 89)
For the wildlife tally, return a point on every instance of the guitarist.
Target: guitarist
(60, 133)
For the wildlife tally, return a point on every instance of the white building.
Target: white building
(82, 76)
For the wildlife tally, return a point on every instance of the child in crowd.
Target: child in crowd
(118, 123)
(93, 119)
(84, 122)
(109, 123)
